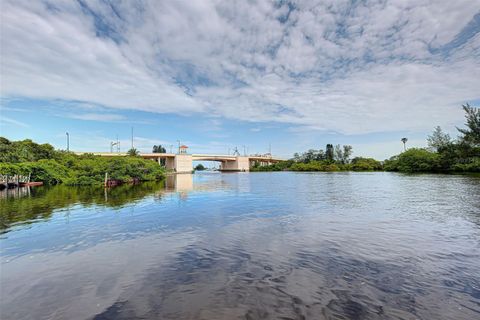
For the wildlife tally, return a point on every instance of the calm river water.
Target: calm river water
(245, 246)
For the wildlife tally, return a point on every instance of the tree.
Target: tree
(338, 154)
(472, 133)
(320, 155)
(310, 155)
(438, 139)
(199, 167)
(329, 154)
(342, 154)
(417, 160)
(365, 164)
(404, 140)
(158, 149)
(296, 157)
(133, 152)
(347, 152)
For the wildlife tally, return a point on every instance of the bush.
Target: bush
(473, 166)
(414, 160)
(9, 169)
(365, 164)
(48, 171)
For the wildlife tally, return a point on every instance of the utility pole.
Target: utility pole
(244, 151)
(171, 147)
(178, 146)
(68, 141)
(115, 144)
(270, 148)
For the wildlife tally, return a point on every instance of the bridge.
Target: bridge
(183, 162)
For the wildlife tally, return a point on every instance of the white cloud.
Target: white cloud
(97, 117)
(332, 65)
(10, 121)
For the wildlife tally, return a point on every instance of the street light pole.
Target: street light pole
(68, 141)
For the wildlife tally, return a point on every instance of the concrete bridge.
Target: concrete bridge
(183, 163)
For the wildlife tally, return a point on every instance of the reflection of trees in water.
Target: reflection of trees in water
(40, 202)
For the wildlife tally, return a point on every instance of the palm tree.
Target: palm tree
(404, 140)
(133, 152)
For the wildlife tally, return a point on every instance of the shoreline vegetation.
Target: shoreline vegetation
(51, 166)
(443, 155)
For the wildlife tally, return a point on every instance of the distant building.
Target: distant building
(182, 149)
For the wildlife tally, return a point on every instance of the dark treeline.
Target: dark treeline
(443, 154)
(333, 158)
(43, 163)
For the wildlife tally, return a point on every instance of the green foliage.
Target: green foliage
(47, 171)
(334, 159)
(91, 170)
(473, 166)
(71, 169)
(446, 155)
(438, 139)
(414, 160)
(133, 152)
(199, 167)
(471, 134)
(158, 149)
(365, 164)
(10, 169)
(25, 150)
(317, 166)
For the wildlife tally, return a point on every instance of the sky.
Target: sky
(252, 75)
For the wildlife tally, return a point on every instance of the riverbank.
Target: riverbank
(45, 164)
(414, 160)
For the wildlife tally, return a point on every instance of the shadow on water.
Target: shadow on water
(35, 204)
(29, 205)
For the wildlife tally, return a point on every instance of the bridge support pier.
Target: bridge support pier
(239, 164)
(170, 163)
(183, 163)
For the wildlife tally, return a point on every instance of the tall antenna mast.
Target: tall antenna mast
(132, 137)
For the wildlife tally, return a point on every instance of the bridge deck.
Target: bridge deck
(195, 157)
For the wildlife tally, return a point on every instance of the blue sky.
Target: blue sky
(223, 74)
